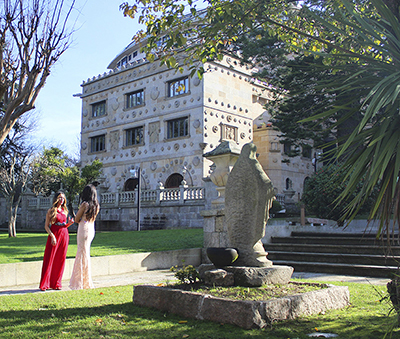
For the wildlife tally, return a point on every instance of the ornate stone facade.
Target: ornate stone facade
(175, 127)
(143, 114)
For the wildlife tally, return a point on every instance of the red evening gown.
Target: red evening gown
(54, 256)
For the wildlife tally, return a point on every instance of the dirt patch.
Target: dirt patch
(251, 293)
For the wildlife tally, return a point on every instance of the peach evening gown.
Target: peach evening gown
(81, 277)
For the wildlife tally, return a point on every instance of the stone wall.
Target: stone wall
(182, 210)
(176, 216)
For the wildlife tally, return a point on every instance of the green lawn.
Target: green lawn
(110, 313)
(30, 246)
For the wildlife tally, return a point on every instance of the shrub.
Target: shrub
(186, 275)
(322, 190)
(276, 207)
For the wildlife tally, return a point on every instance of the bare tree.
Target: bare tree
(15, 160)
(33, 36)
(13, 179)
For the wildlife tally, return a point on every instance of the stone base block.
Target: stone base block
(258, 276)
(219, 277)
(253, 276)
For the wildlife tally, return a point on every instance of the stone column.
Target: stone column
(224, 157)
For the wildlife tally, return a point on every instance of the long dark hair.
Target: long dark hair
(89, 194)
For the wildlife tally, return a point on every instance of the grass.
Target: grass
(110, 313)
(246, 293)
(30, 246)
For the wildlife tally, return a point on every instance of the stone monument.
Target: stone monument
(248, 197)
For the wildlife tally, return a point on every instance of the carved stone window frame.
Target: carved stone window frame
(94, 109)
(97, 143)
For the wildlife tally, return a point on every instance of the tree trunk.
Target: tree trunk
(12, 232)
(11, 220)
(12, 216)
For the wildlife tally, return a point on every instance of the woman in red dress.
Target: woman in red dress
(55, 253)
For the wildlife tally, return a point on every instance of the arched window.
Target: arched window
(130, 184)
(174, 180)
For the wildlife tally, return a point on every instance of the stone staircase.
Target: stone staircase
(344, 254)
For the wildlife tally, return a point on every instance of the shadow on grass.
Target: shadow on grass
(111, 321)
(126, 320)
(35, 250)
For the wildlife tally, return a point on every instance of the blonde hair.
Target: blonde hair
(53, 209)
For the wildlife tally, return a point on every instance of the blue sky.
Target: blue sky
(101, 33)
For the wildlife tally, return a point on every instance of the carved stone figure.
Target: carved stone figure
(114, 140)
(154, 131)
(248, 198)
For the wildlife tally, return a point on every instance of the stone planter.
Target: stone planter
(243, 313)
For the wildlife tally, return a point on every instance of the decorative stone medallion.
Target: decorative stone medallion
(154, 93)
(196, 161)
(196, 81)
(196, 123)
(114, 103)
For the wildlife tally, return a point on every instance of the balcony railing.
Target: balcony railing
(40, 202)
(181, 195)
(159, 196)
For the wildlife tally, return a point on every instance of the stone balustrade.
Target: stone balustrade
(158, 196)
(179, 207)
(179, 195)
(39, 202)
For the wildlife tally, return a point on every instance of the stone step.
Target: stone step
(392, 239)
(316, 239)
(340, 269)
(343, 234)
(340, 258)
(330, 234)
(332, 248)
(344, 253)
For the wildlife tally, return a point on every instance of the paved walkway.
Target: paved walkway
(159, 276)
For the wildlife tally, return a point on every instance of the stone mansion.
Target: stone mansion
(143, 115)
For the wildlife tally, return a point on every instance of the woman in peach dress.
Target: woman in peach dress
(81, 277)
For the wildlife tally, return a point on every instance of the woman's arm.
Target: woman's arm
(70, 221)
(48, 230)
(81, 211)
